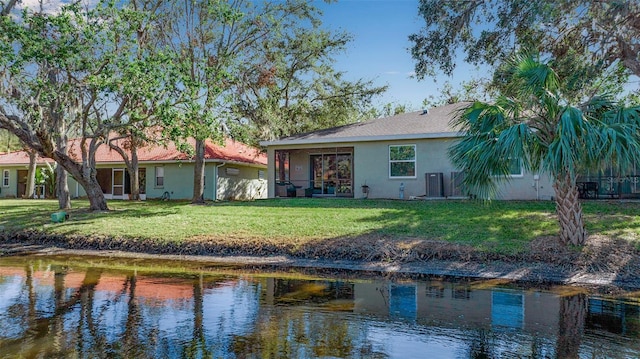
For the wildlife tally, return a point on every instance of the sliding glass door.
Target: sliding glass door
(331, 174)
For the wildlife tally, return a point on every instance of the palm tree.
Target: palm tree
(532, 122)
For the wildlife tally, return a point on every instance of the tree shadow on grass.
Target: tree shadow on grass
(36, 215)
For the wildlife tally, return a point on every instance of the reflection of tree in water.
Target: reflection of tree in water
(573, 311)
(45, 335)
(295, 332)
(132, 343)
(481, 346)
(197, 346)
(301, 333)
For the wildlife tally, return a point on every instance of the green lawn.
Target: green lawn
(504, 227)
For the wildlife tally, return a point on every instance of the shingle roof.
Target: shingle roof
(232, 151)
(436, 122)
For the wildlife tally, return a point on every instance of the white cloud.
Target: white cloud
(50, 6)
(45, 6)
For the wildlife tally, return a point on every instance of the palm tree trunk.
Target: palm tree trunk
(573, 314)
(569, 209)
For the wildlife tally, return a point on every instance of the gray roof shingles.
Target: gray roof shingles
(436, 121)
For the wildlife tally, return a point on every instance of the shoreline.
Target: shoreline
(574, 273)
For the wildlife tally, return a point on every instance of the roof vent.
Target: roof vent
(425, 111)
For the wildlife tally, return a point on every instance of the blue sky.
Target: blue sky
(380, 48)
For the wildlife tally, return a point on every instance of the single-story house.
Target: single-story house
(232, 171)
(402, 156)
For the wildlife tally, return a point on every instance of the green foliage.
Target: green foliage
(475, 89)
(535, 123)
(289, 85)
(9, 142)
(88, 70)
(47, 176)
(601, 36)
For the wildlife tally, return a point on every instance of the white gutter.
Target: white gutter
(409, 136)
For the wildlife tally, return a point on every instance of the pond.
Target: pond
(89, 307)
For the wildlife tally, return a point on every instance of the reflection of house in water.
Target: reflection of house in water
(457, 305)
(613, 316)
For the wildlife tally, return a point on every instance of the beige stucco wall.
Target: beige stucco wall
(371, 167)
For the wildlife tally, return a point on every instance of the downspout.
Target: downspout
(215, 182)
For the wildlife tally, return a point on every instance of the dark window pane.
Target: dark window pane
(403, 169)
(402, 153)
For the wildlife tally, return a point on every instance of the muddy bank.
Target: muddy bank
(603, 262)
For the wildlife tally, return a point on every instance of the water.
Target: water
(54, 307)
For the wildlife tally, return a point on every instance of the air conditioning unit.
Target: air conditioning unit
(232, 171)
(456, 184)
(434, 184)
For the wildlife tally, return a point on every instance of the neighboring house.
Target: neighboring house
(402, 156)
(232, 171)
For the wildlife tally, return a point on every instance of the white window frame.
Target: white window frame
(517, 175)
(414, 161)
(5, 178)
(158, 173)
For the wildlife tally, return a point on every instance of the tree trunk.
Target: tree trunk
(134, 175)
(97, 202)
(31, 174)
(130, 163)
(62, 179)
(573, 313)
(569, 210)
(62, 188)
(86, 177)
(198, 174)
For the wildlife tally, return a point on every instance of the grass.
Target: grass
(502, 227)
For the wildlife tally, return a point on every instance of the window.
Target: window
(402, 161)
(160, 177)
(515, 167)
(5, 178)
(507, 309)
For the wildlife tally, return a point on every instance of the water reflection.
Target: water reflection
(48, 309)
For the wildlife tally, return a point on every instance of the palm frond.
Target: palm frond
(492, 140)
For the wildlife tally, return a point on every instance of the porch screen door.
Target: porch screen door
(118, 182)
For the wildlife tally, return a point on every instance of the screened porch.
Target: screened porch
(314, 172)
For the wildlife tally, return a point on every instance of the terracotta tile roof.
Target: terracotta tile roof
(231, 151)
